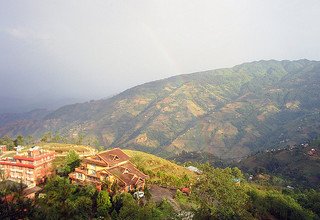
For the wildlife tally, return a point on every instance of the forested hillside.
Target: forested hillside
(227, 112)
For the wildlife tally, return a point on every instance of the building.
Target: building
(113, 167)
(194, 169)
(30, 168)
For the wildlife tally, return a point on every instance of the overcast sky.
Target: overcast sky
(93, 49)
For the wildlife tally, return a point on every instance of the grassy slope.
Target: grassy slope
(295, 165)
(161, 171)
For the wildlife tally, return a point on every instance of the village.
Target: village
(110, 169)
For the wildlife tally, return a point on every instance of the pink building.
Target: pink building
(30, 168)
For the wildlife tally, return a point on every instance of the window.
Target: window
(79, 176)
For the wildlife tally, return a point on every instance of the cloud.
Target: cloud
(26, 34)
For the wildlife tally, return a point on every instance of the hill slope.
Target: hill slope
(227, 112)
(296, 164)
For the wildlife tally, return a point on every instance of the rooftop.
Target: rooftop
(111, 157)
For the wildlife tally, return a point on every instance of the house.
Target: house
(194, 169)
(312, 152)
(113, 167)
(30, 168)
(236, 181)
(186, 191)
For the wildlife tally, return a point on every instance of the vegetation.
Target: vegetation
(218, 195)
(161, 171)
(62, 200)
(71, 161)
(277, 204)
(292, 166)
(228, 112)
(215, 194)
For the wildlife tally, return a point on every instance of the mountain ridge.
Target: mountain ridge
(228, 112)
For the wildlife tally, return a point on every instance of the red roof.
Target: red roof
(27, 158)
(128, 173)
(5, 162)
(113, 157)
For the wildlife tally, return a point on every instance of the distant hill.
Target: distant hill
(298, 164)
(227, 112)
(199, 157)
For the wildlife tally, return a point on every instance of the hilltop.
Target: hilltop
(229, 113)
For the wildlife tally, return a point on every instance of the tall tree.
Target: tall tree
(72, 161)
(103, 203)
(19, 140)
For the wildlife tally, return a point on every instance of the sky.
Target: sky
(81, 50)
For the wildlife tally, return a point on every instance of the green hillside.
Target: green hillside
(161, 172)
(227, 112)
(297, 165)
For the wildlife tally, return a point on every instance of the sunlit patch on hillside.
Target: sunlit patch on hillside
(194, 108)
(267, 111)
(108, 137)
(294, 105)
(144, 140)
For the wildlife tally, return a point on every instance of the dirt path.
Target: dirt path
(159, 193)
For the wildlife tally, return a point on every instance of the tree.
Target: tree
(19, 140)
(6, 140)
(64, 200)
(46, 137)
(72, 161)
(103, 203)
(57, 138)
(129, 208)
(80, 139)
(29, 139)
(218, 195)
(147, 193)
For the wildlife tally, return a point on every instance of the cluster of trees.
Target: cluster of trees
(62, 200)
(308, 199)
(282, 206)
(48, 137)
(215, 195)
(218, 195)
(71, 161)
(79, 139)
(13, 142)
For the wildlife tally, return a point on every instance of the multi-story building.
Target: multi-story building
(113, 167)
(30, 168)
